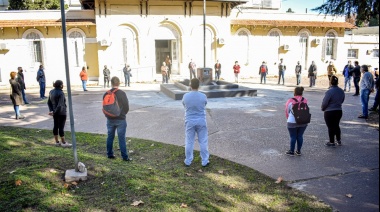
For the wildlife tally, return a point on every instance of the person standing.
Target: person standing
(298, 71)
(195, 103)
(236, 68)
(281, 71)
(58, 109)
(263, 71)
(42, 81)
(296, 131)
(84, 77)
(347, 73)
(164, 72)
(118, 123)
(107, 75)
(192, 67)
(356, 74)
(332, 107)
(312, 73)
(366, 88)
(218, 70)
(21, 81)
(168, 62)
(127, 74)
(331, 70)
(16, 94)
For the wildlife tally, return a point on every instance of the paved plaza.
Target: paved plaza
(247, 130)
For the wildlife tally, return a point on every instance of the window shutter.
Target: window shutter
(31, 53)
(324, 49)
(335, 49)
(80, 46)
(71, 52)
(44, 53)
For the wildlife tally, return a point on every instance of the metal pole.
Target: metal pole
(204, 33)
(63, 18)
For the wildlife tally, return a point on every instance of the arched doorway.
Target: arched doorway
(166, 40)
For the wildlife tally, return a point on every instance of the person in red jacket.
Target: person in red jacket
(236, 71)
(84, 77)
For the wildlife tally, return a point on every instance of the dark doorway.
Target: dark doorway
(163, 48)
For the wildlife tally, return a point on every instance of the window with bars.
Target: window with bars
(35, 47)
(244, 46)
(375, 53)
(330, 44)
(352, 53)
(76, 53)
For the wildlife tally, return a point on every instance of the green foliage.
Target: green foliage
(363, 9)
(34, 5)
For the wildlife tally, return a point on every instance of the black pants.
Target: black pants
(107, 81)
(59, 125)
(356, 83)
(332, 119)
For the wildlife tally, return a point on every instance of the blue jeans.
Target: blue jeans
(199, 127)
(263, 76)
(24, 96)
(296, 136)
(281, 74)
(84, 85)
(42, 89)
(164, 79)
(121, 127)
(364, 97)
(312, 81)
(17, 110)
(347, 81)
(127, 79)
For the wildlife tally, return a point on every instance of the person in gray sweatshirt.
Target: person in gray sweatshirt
(366, 88)
(332, 107)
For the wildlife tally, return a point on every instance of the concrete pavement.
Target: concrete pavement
(247, 130)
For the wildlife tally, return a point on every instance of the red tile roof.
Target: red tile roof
(283, 23)
(36, 23)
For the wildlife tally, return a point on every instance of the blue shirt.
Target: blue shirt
(41, 76)
(195, 106)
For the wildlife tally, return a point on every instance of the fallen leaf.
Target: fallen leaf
(349, 195)
(74, 183)
(137, 203)
(152, 145)
(188, 174)
(220, 171)
(149, 168)
(200, 170)
(67, 195)
(142, 158)
(52, 171)
(232, 186)
(130, 151)
(279, 180)
(66, 185)
(12, 172)
(18, 182)
(183, 205)
(129, 140)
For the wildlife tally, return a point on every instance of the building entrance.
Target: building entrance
(163, 49)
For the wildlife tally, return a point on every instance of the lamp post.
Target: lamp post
(204, 33)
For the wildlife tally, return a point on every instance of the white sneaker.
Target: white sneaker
(57, 144)
(66, 144)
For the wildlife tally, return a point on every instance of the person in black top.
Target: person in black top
(15, 94)
(356, 74)
(118, 123)
(377, 86)
(20, 79)
(58, 109)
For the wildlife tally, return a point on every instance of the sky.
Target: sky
(299, 6)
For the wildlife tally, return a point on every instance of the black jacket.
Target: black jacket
(356, 71)
(123, 103)
(57, 102)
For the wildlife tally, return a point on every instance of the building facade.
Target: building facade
(143, 33)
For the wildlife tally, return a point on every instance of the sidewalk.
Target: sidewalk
(247, 130)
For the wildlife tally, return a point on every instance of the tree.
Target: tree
(34, 5)
(363, 9)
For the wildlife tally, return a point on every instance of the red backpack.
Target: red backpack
(263, 69)
(111, 107)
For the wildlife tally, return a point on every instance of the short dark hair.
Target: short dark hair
(115, 81)
(334, 80)
(298, 91)
(356, 62)
(194, 83)
(58, 84)
(365, 68)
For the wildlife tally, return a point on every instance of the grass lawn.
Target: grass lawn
(32, 173)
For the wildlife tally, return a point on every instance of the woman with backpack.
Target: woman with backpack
(332, 107)
(296, 130)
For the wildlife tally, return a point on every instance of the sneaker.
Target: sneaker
(362, 117)
(128, 159)
(355, 95)
(207, 164)
(111, 157)
(57, 144)
(298, 153)
(371, 109)
(344, 90)
(66, 145)
(20, 117)
(329, 144)
(290, 153)
(339, 143)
